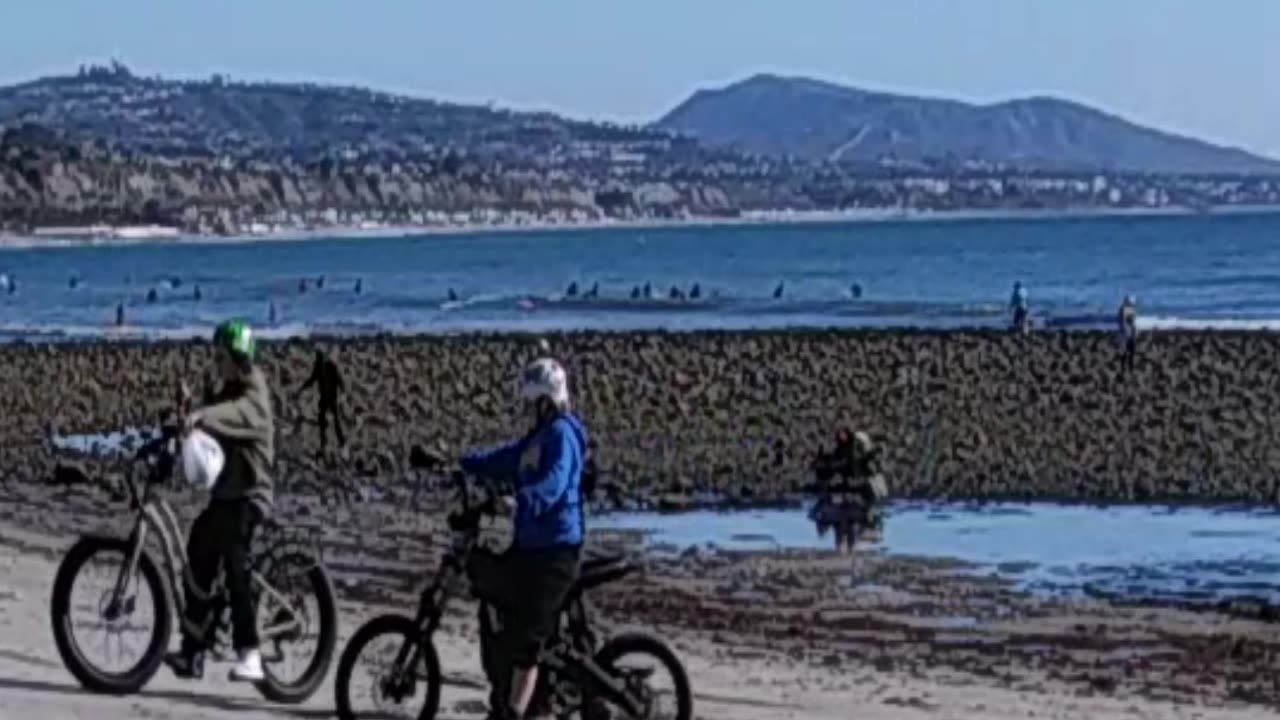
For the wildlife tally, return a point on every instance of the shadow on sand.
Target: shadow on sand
(202, 700)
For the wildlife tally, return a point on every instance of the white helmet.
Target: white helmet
(545, 378)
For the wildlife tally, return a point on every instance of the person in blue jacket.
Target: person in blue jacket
(538, 570)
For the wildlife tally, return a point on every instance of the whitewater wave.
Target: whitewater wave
(1182, 323)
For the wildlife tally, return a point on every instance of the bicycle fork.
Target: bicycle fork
(121, 602)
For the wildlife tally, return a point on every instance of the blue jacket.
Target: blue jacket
(546, 466)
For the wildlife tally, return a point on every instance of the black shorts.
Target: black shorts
(528, 587)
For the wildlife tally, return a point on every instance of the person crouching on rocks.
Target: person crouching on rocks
(851, 489)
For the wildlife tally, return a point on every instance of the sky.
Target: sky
(1190, 66)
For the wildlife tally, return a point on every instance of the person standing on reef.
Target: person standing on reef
(325, 375)
(852, 489)
(1020, 307)
(1127, 319)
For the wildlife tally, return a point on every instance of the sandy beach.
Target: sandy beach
(787, 634)
(131, 235)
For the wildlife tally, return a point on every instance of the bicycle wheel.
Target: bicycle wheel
(309, 593)
(636, 658)
(124, 624)
(372, 680)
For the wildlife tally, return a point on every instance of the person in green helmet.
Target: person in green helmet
(238, 414)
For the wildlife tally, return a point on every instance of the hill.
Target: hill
(822, 121)
(104, 146)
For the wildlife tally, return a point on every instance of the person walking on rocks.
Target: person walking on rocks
(851, 489)
(531, 579)
(328, 379)
(240, 419)
(1127, 318)
(1020, 307)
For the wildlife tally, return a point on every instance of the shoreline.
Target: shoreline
(763, 218)
(292, 334)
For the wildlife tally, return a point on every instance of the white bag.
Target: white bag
(202, 459)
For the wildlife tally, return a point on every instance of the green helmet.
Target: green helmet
(235, 336)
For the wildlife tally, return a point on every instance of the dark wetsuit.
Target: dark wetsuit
(328, 378)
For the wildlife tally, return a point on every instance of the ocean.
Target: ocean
(1186, 271)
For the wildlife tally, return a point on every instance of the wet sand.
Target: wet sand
(739, 416)
(793, 634)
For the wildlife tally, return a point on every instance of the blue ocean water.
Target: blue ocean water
(1184, 270)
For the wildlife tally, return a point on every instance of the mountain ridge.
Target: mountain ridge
(818, 120)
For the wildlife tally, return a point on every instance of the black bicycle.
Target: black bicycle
(292, 593)
(579, 676)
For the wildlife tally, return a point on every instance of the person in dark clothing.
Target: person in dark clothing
(530, 580)
(328, 379)
(1128, 325)
(239, 416)
(1020, 307)
(851, 488)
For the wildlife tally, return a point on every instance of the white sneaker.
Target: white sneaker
(249, 669)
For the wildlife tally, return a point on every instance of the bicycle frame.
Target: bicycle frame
(157, 515)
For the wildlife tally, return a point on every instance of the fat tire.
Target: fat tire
(409, 633)
(639, 643)
(90, 677)
(302, 689)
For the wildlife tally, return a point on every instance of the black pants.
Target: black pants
(221, 535)
(528, 587)
(322, 419)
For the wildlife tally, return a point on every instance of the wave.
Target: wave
(1228, 281)
(1186, 323)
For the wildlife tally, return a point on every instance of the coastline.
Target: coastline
(132, 235)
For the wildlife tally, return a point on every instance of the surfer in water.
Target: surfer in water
(777, 292)
(855, 291)
(648, 291)
(73, 282)
(152, 295)
(302, 285)
(1127, 319)
(359, 285)
(1020, 307)
(453, 296)
(271, 313)
(696, 292)
(196, 294)
(676, 293)
(635, 292)
(594, 292)
(572, 290)
(120, 314)
(320, 283)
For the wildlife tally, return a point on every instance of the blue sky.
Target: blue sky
(1192, 66)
